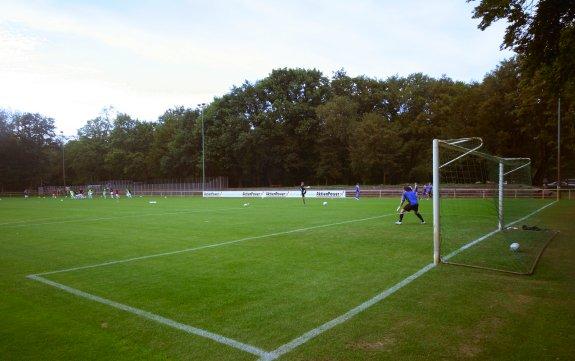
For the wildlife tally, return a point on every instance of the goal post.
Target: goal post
(500, 192)
(455, 144)
(479, 199)
(436, 206)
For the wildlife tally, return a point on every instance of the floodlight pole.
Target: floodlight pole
(202, 107)
(63, 161)
(501, 193)
(558, 149)
(435, 187)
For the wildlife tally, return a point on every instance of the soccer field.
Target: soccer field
(212, 279)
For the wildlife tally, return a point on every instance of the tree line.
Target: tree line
(299, 124)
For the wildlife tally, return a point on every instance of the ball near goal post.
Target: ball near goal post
(478, 197)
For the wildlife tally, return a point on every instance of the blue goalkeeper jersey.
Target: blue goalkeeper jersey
(410, 196)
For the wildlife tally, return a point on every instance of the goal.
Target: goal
(482, 204)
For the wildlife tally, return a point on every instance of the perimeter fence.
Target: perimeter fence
(168, 187)
(193, 187)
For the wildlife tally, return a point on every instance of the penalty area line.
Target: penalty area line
(109, 263)
(156, 318)
(295, 343)
(22, 224)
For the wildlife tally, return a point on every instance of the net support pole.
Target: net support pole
(559, 149)
(436, 220)
(500, 194)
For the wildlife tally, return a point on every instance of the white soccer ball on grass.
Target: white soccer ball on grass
(324, 204)
(514, 247)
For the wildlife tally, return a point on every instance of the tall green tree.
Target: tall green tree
(27, 142)
(86, 156)
(541, 32)
(338, 118)
(374, 150)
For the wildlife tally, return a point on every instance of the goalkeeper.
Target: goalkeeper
(409, 195)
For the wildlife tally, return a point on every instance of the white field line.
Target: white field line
(168, 322)
(213, 245)
(287, 347)
(29, 221)
(21, 224)
(157, 318)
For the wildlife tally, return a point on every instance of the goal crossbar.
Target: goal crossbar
(526, 163)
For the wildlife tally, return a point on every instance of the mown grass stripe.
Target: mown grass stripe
(212, 245)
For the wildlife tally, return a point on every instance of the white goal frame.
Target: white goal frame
(465, 151)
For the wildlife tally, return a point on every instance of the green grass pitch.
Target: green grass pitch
(266, 274)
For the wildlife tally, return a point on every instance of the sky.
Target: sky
(70, 59)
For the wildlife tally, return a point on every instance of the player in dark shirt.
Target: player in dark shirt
(303, 191)
(409, 195)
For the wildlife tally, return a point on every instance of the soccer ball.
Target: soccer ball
(324, 204)
(246, 204)
(514, 247)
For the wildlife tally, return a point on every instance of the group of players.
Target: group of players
(111, 193)
(409, 199)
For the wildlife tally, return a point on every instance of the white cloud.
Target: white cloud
(70, 61)
(17, 48)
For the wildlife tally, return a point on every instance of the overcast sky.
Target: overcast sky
(69, 59)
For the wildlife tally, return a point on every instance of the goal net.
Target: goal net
(486, 210)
